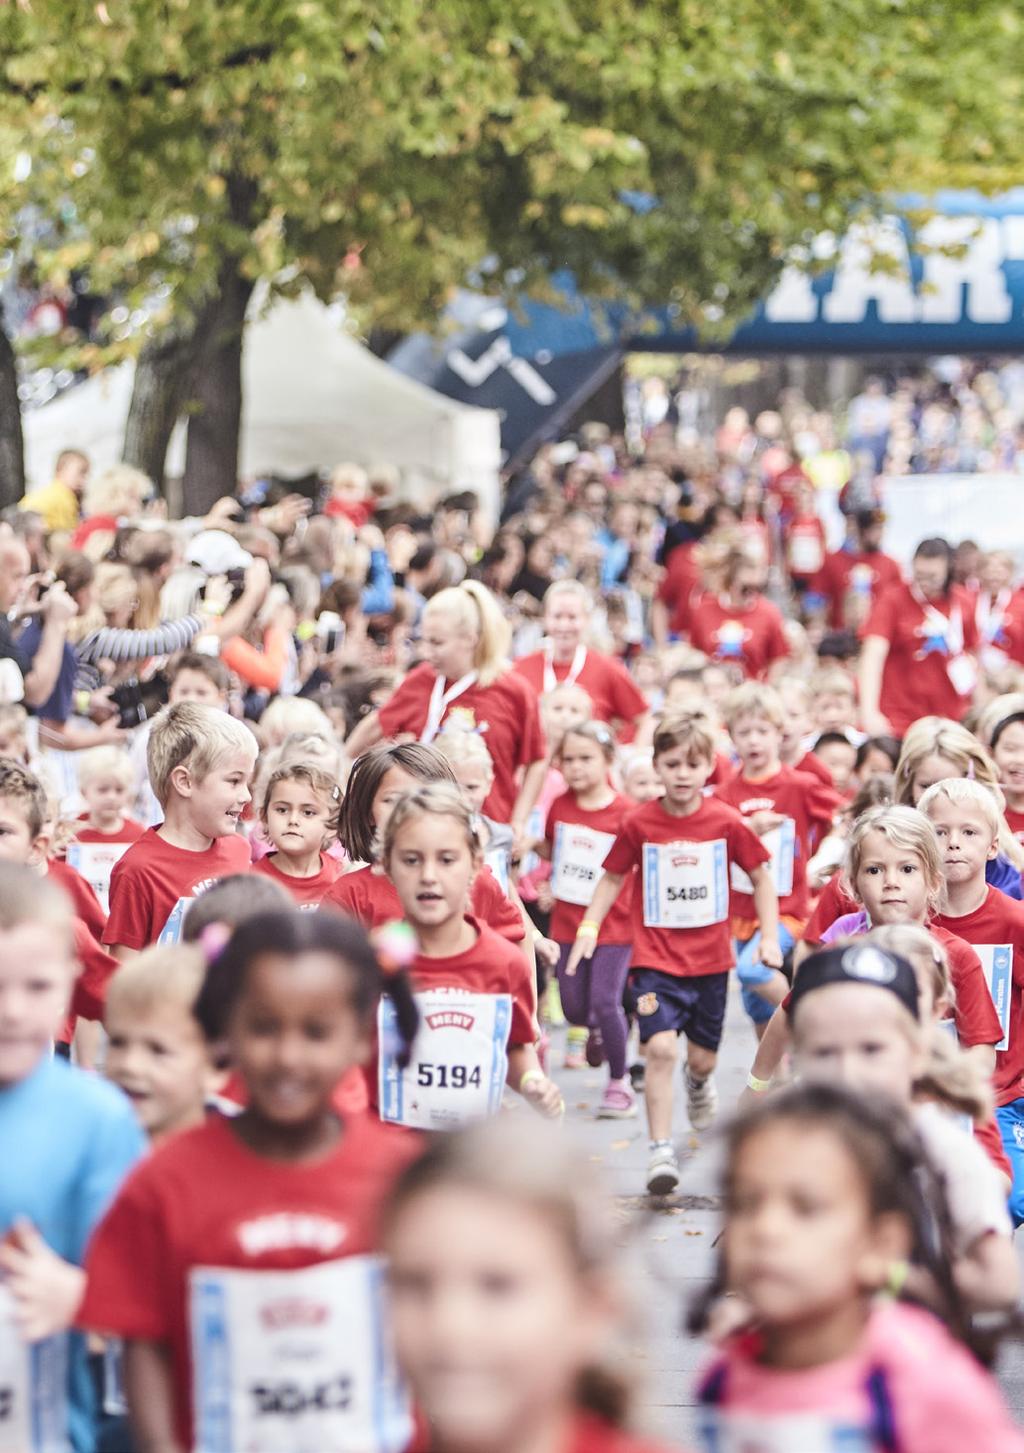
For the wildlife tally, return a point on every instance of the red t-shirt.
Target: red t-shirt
(1000, 920)
(613, 691)
(307, 892)
(816, 767)
(491, 966)
(369, 896)
(155, 881)
(808, 804)
(504, 713)
(835, 579)
(129, 832)
(915, 681)
(203, 1199)
(87, 906)
(89, 994)
(566, 916)
(683, 884)
(974, 1013)
(681, 585)
(752, 639)
(832, 903)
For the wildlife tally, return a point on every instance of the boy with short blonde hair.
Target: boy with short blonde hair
(790, 811)
(156, 1051)
(967, 816)
(200, 763)
(67, 1140)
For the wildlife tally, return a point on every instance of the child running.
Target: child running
(378, 779)
(966, 819)
(200, 762)
(825, 1205)
(684, 845)
(298, 813)
(581, 827)
(503, 1256)
(105, 832)
(239, 1261)
(790, 810)
(474, 989)
(67, 1140)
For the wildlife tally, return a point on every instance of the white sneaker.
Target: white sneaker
(701, 1100)
(662, 1170)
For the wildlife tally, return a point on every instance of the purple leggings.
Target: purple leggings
(593, 995)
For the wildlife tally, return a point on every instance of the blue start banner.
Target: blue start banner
(954, 283)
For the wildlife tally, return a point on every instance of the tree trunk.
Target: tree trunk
(215, 398)
(162, 376)
(12, 445)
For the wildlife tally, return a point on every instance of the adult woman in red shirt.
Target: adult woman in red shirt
(917, 658)
(738, 626)
(465, 681)
(565, 657)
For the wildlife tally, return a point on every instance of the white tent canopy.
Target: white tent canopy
(312, 396)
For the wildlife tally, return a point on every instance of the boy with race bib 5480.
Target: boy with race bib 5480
(684, 845)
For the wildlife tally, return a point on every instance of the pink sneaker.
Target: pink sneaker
(618, 1101)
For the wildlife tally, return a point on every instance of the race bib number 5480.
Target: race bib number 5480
(685, 884)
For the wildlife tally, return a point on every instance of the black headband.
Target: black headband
(857, 963)
(1002, 725)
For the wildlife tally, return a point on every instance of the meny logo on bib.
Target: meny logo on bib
(685, 884)
(294, 1361)
(578, 861)
(459, 1061)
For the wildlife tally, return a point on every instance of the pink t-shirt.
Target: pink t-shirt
(908, 1376)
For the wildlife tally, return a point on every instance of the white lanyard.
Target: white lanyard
(950, 628)
(439, 700)
(990, 614)
(578, 662)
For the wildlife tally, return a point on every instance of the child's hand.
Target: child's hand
(764, 821)
(771, 953)
(545, 897)
(547, 951)
(47, 1290)
(583, 948)
(543, 1094)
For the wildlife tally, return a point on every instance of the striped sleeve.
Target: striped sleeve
(112, 643)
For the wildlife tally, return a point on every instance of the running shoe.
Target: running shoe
(662, 1169)
(701, 1100)
(618, 1101)
(575, 1057)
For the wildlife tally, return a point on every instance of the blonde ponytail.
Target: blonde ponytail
(477, 612)
(953, 1079)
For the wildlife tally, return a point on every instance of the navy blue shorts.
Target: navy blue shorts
(693, 1006)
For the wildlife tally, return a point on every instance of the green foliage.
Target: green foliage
(384, 151)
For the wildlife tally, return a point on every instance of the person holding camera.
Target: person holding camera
(30, 666)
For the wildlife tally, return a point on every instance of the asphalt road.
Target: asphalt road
(670, 1243)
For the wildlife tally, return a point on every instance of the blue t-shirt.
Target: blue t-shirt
(1001, 874)
(67, 1141)
(61, 699)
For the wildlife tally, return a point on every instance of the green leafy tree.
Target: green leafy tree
(386, 152)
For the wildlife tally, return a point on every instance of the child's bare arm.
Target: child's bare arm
(149, 1392)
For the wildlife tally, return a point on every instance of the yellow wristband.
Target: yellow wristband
(531, 1077)
(758, 1086)
(897, 1279)
(587, 925)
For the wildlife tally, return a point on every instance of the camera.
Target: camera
(137, 701)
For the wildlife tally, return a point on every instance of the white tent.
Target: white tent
(313, 396)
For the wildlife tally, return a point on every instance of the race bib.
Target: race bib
(805, 557)
(685, 884)
(497, 860)
(723, 1431)
(459, 1061)
(781, 843)
(95, 862)
(578, 861)
(33, 1389)
(171, 931)
(294, 1361)
(997, 962)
